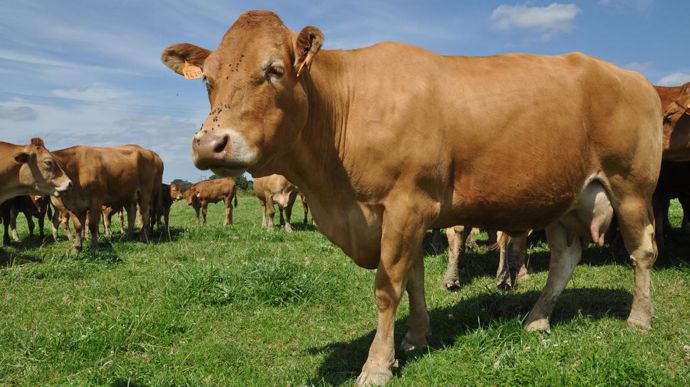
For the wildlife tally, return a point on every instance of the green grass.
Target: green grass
(239, 306)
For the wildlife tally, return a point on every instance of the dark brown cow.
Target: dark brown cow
(200, 194)
(275, 189)
(169, 194)
(30, 169)
(32, 206)
(391, 140)
(125, 176)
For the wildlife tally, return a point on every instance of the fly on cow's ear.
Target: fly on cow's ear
(307, 45)
(22, 158)
(179, 56)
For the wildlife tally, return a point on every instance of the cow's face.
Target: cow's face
(176, 192)
(40, 171)
(679, 110)
(254, 82)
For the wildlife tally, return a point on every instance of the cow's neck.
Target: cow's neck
(316, 163)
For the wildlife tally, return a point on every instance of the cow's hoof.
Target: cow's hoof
(540, 325)
(451, 285)
(472, 246)
(506, 286)
(288, 228)
(408, 346)
(374, 377)
(640, 322)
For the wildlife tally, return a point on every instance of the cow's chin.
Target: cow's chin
(229, 172)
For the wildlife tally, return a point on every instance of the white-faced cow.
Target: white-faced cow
(391, 140)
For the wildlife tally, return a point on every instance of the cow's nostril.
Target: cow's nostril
(221, 146)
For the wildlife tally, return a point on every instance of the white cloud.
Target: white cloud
(639, 66)
(94, 93)
(18, 113)
(550, 20)
(674, 79)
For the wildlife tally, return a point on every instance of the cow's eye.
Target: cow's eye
(275, 72)
(48, 163)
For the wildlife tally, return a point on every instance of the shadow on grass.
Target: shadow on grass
(8, 258)
(303, 227)
(345, 359)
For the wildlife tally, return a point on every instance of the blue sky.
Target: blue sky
(88, 72)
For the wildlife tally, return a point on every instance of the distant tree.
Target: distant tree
(183, 183)
(214, 177)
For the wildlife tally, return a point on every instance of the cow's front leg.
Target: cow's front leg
(401, 251)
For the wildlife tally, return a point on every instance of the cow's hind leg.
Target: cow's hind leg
(566, 251)
(637, 228)
(513, 249)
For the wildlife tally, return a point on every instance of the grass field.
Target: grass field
(239, 306)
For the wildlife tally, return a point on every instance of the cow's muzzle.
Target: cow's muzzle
(228, 152)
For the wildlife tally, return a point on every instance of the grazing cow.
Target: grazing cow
(276, 189)
(124, 176)
(30, 169)
(200, 194)
(32, 206)
(674, 182)
(391, 140)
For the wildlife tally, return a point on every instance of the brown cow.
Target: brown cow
(30, 169)
(200, 194)
(126, 176)
(391, 140)
(276, 189)
(60, 218)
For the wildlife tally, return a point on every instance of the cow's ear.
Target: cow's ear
(177, 56)
(22, 158)
(307, 45)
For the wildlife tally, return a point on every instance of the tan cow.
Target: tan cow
(391, 140)
(675, 102)
(200, 194)
(30, 169)
(126, 176)
(276, 189)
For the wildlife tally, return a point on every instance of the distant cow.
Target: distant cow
(125, 176)
(200, 194)
(512, 252)
(30, 169)
(276, 189)
(169, 194)
(391, 140)
(32, 206)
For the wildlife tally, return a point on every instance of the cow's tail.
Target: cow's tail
(501, 241)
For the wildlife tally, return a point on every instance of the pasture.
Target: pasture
(239, 306)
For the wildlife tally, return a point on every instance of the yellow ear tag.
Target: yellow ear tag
(191, 72)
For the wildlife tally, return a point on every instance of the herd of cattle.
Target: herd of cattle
(102, 182)
(389, 141)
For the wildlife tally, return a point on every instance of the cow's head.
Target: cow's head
(176, 192)
(677, 125)
(258, 101)
(40, 171)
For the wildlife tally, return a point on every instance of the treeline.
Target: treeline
(242, 182)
